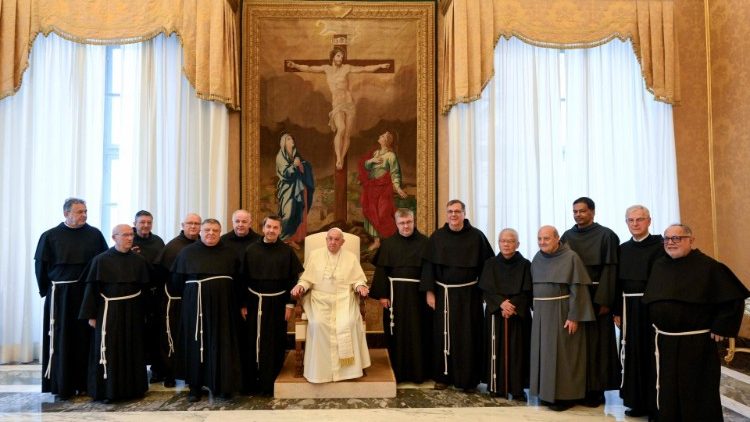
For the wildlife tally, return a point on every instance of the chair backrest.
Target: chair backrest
(318, 240)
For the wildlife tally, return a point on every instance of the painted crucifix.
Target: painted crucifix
(343, 111)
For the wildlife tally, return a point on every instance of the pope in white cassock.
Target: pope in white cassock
(336, 348)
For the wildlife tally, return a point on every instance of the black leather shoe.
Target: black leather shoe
(560, 405)
(440, 386)
(636, 413)
(194, 396)
(170, 383)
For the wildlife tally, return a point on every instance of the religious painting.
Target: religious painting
(338, 113)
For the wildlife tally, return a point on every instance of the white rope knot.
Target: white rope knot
(48, 372)
(393, 297)
(103, 344)
(657, 331)
(199, 306)
(258, 322)
(168, 324)
(446, 320)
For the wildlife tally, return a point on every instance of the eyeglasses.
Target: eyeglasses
(675, 239)
(635, 220)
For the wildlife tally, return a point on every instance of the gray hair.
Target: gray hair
(636, 208)
(508, 230)
(68, 204)
(686, 230)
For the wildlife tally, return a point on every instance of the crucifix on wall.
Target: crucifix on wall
(343, 111)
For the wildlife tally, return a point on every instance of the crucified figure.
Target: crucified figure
(341, 117)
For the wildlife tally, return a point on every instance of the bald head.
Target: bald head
(122, 234)
(241, 221)
(548, 239)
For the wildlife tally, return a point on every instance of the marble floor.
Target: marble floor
(21, 400)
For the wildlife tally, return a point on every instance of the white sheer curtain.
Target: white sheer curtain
(172, 161)
(553, 126)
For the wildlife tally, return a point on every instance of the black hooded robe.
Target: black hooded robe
(149, 248)
(270, 270)
(170, 311)
(455, 258)
(62, 254)
(507, 279)
(409, 334)
(636, 333)
(123, 279)
(692, 293)
(209, 341)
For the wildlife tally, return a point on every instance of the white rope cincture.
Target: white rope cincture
(169, 325)
(446, 319)
(199, 306)
(260, 315)
(390, 308)
(103, 344)
(657, 331)
(624, 334)
(51, 332)
(493, 370)
(552, 298)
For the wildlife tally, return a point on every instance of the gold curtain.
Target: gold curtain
(207, 31)
(473, 27)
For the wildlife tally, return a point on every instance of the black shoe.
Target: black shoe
(156, 378)
(636, 413)
(470, 390)
(170, 383)
(105, 401)
(560, 405)
(440, 386)
(63, 397)
(225, 396)
(520, 397)
(194, 396)
(593, 399)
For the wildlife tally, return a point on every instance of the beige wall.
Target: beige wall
(712, 125)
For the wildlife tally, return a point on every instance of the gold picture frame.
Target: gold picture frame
(336, 76)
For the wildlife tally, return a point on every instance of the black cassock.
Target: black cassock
(150, 248)
(207, 276)
(239, 244)
(598, 248)
(636, 334)
(61, 255)
(453, 263)
(172, 358)
(115, 287)
(270, 270)
(408, 329)
(507, 279)
(690, 295)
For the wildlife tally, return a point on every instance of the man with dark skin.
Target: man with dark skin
(598, 247)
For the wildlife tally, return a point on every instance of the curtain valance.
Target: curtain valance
(207, 31)
(473, 27)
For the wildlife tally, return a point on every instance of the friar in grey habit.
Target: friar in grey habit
(558, 343)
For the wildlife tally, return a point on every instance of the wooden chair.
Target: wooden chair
(732, 349)
(313, 242)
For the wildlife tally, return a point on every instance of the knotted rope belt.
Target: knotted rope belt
(624, 333)
(103, 344)
(199, 306)
(169, 325)
(657, 331)
(48, 373)
(260, 315)
(390, 309)
(446, 319)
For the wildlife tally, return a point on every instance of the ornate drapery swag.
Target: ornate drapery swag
(472, 28)
(206, 28)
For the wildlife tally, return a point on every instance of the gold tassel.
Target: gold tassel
(346, 361)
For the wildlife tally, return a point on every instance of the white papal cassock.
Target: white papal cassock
(335, 348)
